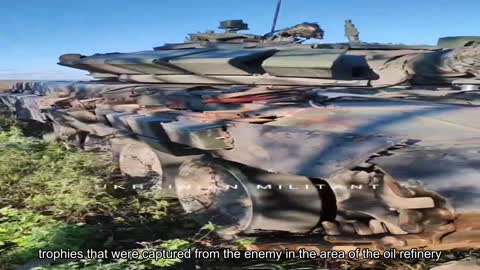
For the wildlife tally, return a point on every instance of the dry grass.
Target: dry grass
(6, 85)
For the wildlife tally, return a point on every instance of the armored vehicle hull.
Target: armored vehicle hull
(378, 144)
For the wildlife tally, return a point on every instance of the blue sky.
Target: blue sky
(34, 33)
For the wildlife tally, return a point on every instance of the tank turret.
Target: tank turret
(280, 58)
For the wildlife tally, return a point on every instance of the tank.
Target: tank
(350, 143)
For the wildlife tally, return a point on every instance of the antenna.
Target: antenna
(277, 10)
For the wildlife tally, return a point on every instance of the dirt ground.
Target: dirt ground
(5, 85)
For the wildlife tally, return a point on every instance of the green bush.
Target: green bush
(49, 178)
(23, 233)
(47, 190)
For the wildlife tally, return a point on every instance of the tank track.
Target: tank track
(411, 217)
